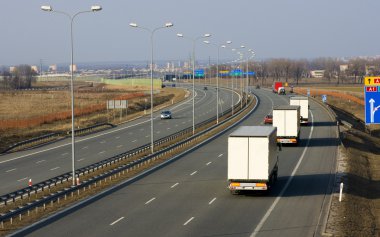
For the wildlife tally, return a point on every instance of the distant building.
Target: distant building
(343, 67)
(34, 68)
(12, 69)
(74, 69)
(317, 73)
(53, 68)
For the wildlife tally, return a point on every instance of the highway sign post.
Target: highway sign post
(372, 100)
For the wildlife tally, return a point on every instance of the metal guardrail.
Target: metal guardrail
(50, 136)
(28, 191)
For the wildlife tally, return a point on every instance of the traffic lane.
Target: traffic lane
(87, 153)
(298, 212)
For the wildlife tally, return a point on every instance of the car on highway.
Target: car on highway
(166, 114)
(205, 88)
(268, 119)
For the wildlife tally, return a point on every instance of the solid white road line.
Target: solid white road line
(193, 173)
(271, 208)
(187, 222)
(151, 200)
(121, 218)
(40, 161)
(174, 185)
(101, 152)
(10, 170)
(22, 179)
(209, 163)
(211, 201)
(220, 155)
(54, 168)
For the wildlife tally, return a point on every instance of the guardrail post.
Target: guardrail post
(11, 220)
(19, 216)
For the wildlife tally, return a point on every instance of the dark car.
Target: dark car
(268, 119)
(205, 88)
(166, 114)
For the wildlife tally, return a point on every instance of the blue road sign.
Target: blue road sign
(324, 98)
(372, 104)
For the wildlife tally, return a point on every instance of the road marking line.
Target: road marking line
(119, 146)
(220, 155)
(22, 179)
(54, 168)
(193, 173)
(117, 137)
(187, 222)
(121, 218)
(151, 200)
(168, 128)
(211, 201)
(209, 163)
(183, 122)
(271, 208)
(101, 152)
(10, 170)
(81, 159)
(174, 185)
(65, 154)
(134, 141)
(158, 132)
(40, 161)
(85, 147)
(103, 142)
(147, 136)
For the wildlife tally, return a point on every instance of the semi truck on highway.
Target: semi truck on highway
(287, 120)
(252, 158)
(276, 85)
(303, 102)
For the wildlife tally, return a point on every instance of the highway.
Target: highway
(189, 197)
(54, 159)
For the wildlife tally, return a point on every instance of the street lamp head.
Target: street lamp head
(223, 46)
(180, 35)
(96, 8)
(229, 42)
(242, 46)
(46, 8)
(207, 35)
(169, 24)
(206, 41)
(132, 24)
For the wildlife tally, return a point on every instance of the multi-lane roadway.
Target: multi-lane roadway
(52, 160)
(189, 197)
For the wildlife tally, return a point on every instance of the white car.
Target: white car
(166, 114)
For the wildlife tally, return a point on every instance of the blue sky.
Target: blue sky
(272, 28)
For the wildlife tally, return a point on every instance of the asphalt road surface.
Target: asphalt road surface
(48, 161)
(189, 197)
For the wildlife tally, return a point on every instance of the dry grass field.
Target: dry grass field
(32, 113)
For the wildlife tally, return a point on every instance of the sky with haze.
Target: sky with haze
(272, 28)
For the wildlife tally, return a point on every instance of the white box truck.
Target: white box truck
(303, 102)
(252, 158)
(287, 120)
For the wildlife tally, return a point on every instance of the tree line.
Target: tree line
(21, 77)
(335, 70)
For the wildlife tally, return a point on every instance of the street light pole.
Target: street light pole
(169, 24)
(193, 62)
(72, 17)
(217, 77)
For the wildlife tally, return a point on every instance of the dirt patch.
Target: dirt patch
(359, 212)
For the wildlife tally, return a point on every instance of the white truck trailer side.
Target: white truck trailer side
(287, 120)
(303, 102)
(252, 158)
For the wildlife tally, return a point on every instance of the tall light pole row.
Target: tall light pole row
(71, 18)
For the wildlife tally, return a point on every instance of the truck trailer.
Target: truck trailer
(252, 158)
(287, 120)
(303, 102)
